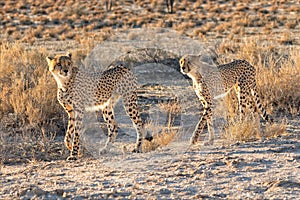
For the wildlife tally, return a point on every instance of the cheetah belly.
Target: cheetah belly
(222, 95)
(97, 107)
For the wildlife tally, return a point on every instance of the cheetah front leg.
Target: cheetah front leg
(109, 118)
(71, 125)
(75, 151)
(238, 94)
(70, 130)
(205, 119)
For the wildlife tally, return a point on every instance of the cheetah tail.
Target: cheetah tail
(261, 109)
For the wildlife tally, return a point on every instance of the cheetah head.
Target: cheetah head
(61, 67)
(186, 63)
(189, 64)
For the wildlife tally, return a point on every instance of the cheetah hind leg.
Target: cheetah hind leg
(210, 132)
(260, 108)
(130, 104)
(108, 115)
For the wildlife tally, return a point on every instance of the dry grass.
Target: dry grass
(278, 72)
(159, 140)
(26, 85)
(28, 107)
(245, 131)
(29, 112)
(91, 16)
(249, 130)
(163, 135)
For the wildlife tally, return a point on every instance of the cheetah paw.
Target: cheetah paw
(137, 150)
(193, 142)
(103, 151)
(71, 158)
(106, 148)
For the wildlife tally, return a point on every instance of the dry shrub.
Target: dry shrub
(245, 131)
(279, 86)
(249, 130)
(26, 85)
(28, 107)
(163, 134)
(159, 140)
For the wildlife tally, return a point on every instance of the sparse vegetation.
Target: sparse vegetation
(29, 112)
(278, 72)
(254, 160)
(163, 134)
(264, 34)
(251, 130)
(65, 20)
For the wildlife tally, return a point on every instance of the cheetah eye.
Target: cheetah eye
(58, 64)
(181, 61)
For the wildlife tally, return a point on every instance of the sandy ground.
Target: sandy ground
(267, 169)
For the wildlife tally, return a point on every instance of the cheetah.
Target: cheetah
(80, 91)
(238, 75)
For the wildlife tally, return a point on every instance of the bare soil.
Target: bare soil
(267, 169)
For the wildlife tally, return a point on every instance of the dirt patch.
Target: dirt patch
(256, 170)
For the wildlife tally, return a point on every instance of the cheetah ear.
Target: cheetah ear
(69, 54)
(49, 59)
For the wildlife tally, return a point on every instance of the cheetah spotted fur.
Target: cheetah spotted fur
(238, 75)
(80, 91)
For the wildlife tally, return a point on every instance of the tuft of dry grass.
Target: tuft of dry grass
(28, 90)
(242, 131)
(249, 130)
(276, 130)
(163, 134)
(159, 140)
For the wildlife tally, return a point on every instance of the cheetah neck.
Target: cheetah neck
(65, 82)
(195, 76)
(58, 80)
